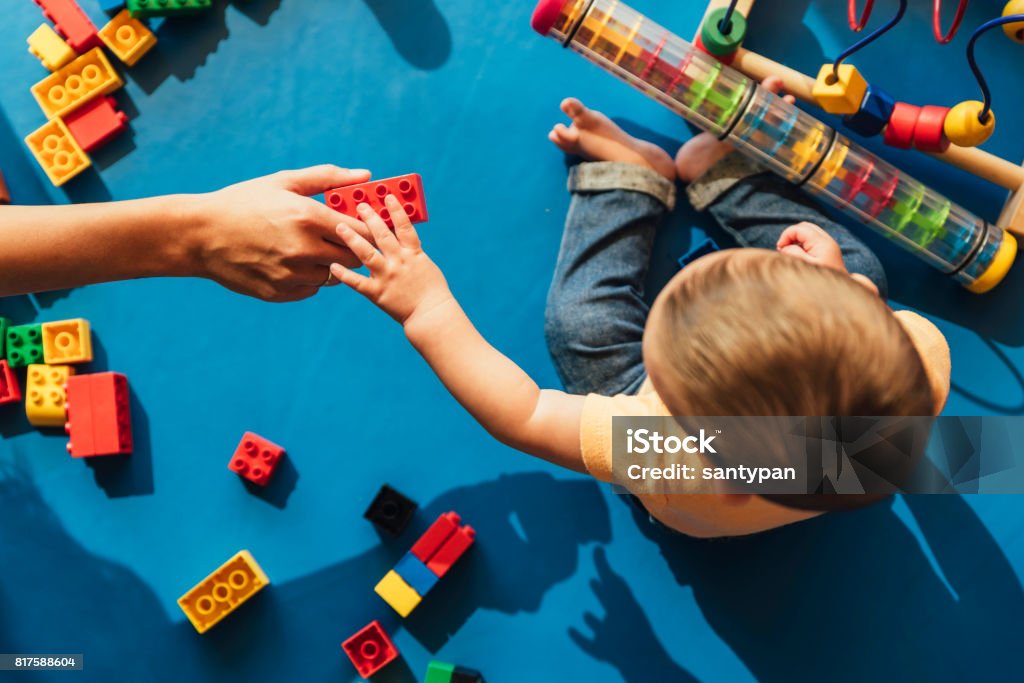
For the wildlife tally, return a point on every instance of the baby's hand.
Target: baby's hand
(403, 280)
(812, 244)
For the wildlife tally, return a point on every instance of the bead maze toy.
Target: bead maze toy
(795, 145)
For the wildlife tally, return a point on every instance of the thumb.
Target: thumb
(316, 179)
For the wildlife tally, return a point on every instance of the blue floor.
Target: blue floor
(566, 582)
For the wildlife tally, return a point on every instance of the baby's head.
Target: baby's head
(755, 332)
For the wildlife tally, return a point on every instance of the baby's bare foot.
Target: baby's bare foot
(595, 137)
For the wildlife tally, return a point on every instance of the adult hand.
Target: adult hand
(268, 238)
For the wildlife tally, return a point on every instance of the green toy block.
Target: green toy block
(4, 324)
(24, 345)
(140, 9)
(439, 672)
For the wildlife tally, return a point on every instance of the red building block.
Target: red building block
(96, 123)
(71, 23)
(434, 537)
(255, 458)
(370, 649)
(457, 544)
(408, 189)
(10, 390)
(900, 130)
(929, 132)
(99, 418)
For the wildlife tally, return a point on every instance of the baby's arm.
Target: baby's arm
(409, 287)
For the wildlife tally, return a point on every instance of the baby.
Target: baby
(796, 327)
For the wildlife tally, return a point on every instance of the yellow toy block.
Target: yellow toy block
(397, 593)
(67, 341)
(223, 591)
(45, 397)
(127, 37)
(842, 95)
(57, 152)
(75, 84)
(49, 47)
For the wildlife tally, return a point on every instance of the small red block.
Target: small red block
(434, 537)
(929, 133)
(71, 23)
(99, 416)
(256, 458)
(370, 649)
(96, 123)
(407, 189)
(10, 390)
(900, 130)
(451, 551)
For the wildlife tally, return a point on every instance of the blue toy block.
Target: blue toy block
(111, 6)
(415, 573)
(708, 246)
(874, 114)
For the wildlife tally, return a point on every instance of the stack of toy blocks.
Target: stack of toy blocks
(370, 649)
(429, 559)
(98, 415)
(407, 189)
(442, 672)
(220, 593)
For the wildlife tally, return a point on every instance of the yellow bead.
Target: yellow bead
(842, 95)
(963, 128)
(1015, 31)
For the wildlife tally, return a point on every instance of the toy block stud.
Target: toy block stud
(45, 396)
(96, 123)
(71, 86)
(55, 149)
(439, 672)
(10, 390)
(841, 92)
(370, 649)
(929, 132)
(99, 415)
(397, 593)
(407, 189)
(220, 593)
(461, 675)
(49, 48)
(416, 574)
(390, 511)
(434, 537)
(70, 22)
(24, 345)
(4, 324)
(456, 545)
(963, 126)
(166, 8)
(127, 37)
(899, 132)
(875, 111)
(256, 458)
(1015, 29)
(66, 341)
(719, 38)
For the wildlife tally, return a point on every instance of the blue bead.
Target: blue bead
(416, 574)
(874, 113)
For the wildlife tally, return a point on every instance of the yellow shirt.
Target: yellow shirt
(709, 516)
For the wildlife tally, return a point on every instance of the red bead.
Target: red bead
(929, 133)
(900, 131)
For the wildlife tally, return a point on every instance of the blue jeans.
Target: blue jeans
(596, 312)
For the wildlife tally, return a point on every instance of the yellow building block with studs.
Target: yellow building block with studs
(45, 396)
(67, 341)
(57, 152)
(220, 593)
(397, 593)
(839, 95)
(49, 48)
(127, 37)
(71, 86)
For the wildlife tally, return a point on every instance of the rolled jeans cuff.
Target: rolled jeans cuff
(720, 178)
(601, 176)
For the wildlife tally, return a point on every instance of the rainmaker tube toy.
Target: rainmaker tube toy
(781, 137)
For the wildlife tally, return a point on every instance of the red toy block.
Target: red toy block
(929, 132)
(255, 458)
(370, 649)
(99, 417)
(900, 130)
(96, 123)
(71, 23)
(451, 551)
(10, 390)
(434, 537)
(408, 189)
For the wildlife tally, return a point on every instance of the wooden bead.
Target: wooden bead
(874, 113)
(963, 128)
(929, 133)
(1015, 30)
(900, 130)
(842, 95)
(719, 42)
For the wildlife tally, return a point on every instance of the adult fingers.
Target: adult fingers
(404, 230)
(316, 179)
(325, 221)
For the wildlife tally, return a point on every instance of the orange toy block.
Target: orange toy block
(49, 48)
(67, 341)
(68, 88)
(127, 37)
(57, 152)
(842, 95)
(220, 593)
(45, 396)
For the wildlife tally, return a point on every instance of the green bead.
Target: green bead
(721, 43)
(439, 672)
(24, 345)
